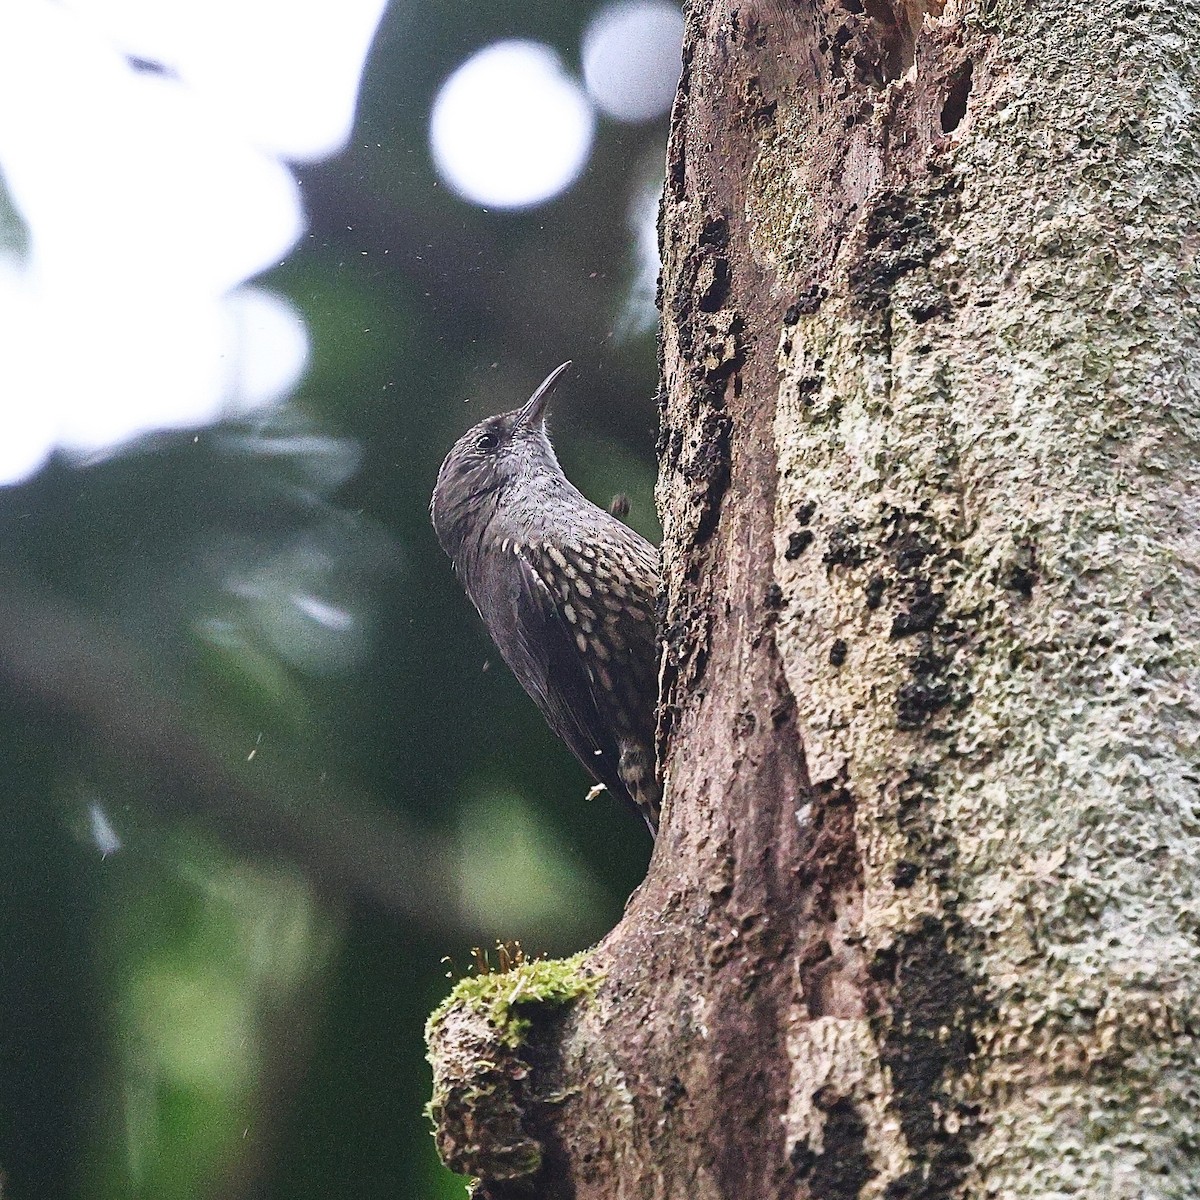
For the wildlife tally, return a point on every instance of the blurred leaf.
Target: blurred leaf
(513, 877)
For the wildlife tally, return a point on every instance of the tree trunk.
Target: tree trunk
(923, 919)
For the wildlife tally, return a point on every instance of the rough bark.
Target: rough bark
(923, 920)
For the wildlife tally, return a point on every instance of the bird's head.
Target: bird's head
(490, 459)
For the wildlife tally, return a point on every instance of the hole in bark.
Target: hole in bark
(955, 107)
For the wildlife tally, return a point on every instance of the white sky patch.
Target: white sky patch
(510, 128)
(631, 58)
(285, 74)
(271, 346)
(148, 199)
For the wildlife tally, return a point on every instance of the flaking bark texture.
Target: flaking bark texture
(923, 920)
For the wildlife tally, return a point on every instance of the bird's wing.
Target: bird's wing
(521, 613)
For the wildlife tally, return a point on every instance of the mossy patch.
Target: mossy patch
(508, 998)
(483, 1085)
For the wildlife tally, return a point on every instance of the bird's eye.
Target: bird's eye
(487, 440)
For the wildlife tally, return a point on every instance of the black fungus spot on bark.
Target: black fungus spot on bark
(909, 551)
(773, 599)
(898, 241)
(1020, 572)
(709, 470)
(922, 613)
(926, 837)
(874, 590)
(713, 284)
(882, 967)
(715, 233)
(807, 388)
(905, 874)
(802, 1158)
(805, 304)
(837, 653)
(924, 694)
(798, 542)
(843, 1168)
(805, 511)
(845, 548)
(919, 699)
(927, 1046)
(957, 96)
(927, 304)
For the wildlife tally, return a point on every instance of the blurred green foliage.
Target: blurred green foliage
(230, 1003)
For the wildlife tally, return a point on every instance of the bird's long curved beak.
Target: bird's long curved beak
(533, 411)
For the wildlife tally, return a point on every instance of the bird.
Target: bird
(566, 590)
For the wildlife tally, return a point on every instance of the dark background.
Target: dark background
(231, 1003)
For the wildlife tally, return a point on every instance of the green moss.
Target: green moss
(507, 998)
(482, 1078)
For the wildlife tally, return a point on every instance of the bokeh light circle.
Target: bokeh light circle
(631, 58)
(510, 128)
